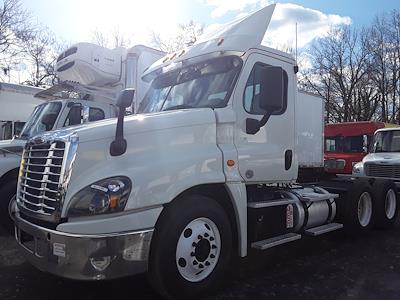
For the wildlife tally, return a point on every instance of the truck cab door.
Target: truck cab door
(268, 155)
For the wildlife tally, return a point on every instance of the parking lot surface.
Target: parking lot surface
(334, 266)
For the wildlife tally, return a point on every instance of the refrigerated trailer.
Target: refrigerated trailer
(207, 168)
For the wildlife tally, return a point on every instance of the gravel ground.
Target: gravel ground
(334, 266)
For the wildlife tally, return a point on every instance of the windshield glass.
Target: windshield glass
(205, 84)
(346, 144)
(42, 119)
(386, 141)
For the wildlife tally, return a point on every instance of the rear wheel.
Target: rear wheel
(387, 204)
(360, 210)
(7, 192)
(190, 248)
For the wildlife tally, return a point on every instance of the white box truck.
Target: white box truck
(92, 76)
(17, 103)
(206, 169)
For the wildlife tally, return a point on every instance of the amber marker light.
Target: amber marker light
(230, 162)
(113, 201)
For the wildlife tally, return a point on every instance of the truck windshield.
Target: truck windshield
(346, 144)
(42, 119)
(386, 141)
(205, 84)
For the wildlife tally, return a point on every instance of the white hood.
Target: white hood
(383, 158)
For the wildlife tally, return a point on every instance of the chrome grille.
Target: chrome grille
(382, 170)
(41, 177)
(333, 163)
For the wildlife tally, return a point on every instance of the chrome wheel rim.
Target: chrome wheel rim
(390, 204)
(364, 209)
(198, 249)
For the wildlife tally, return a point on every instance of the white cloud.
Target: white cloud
(311, 24)
(224, 6)
(281, 32)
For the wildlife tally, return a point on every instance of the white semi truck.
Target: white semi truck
(91, 78)
(206, 169)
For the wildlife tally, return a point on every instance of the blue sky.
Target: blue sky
(74, 20)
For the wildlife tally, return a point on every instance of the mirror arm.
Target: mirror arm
(253, 126)
(118, 146)
(265, 119)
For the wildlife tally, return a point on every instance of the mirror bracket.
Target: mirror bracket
(253, 125)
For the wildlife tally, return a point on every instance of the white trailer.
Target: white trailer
(17, 103)
(206, 169)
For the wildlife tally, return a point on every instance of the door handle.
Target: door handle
(288, 159)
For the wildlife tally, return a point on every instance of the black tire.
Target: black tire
(163, 272)
(7, 192)
(382, 189)
(352, 222)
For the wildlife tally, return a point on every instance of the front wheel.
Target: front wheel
(190, 248)
(7, 192)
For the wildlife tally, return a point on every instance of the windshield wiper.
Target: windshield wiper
(180, 106)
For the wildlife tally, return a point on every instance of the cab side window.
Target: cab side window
(74, 116)
(96, 114)
(251, 96)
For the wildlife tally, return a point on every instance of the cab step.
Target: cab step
(275, 241)
(323, 229)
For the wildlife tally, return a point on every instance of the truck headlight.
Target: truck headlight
(358, 168)
(102, 197)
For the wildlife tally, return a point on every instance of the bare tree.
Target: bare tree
(41, 54)
(112, 39)
(186, 36)
(15, 30)
(339, 74)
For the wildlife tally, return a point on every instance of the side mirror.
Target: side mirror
(272, 88)
(125, 98)
(48, 120)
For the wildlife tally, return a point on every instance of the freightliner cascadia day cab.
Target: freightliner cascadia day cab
(206, 169)
(95, 74)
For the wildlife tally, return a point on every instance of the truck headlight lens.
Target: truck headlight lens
(102, 197)
(357, 168)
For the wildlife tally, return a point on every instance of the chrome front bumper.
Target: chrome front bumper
(83, 257)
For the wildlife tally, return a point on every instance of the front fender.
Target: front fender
(161, 163)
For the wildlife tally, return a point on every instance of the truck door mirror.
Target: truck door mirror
(365, 143)
(272, 95)
(125, 98)
(118, 146)
(272, 88)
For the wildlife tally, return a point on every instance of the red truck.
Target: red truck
(347, 144)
